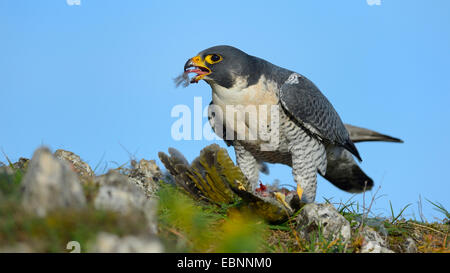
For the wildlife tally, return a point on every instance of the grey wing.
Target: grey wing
(304, 102)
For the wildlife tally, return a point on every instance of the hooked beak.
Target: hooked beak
(198, 66)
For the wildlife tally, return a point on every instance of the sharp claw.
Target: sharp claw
(240, 185)
(299, 192)
(282, 199)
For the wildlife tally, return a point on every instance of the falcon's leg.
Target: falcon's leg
(305, 175)
(308, 157)
(248, 164)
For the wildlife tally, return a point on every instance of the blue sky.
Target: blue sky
(97, 79)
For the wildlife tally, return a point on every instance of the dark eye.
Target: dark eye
(215, 58)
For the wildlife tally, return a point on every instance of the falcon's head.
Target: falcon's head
(222, 65)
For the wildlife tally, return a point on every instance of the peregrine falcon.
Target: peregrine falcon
(311, 137)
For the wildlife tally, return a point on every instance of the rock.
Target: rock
(110, 243)
(121, 193)
(22, 164)
(374, 222)
(409, 246)
(324, 216)
(373, 242)
(78, 165)
(148, 169)
(147, 174)
(50, 184)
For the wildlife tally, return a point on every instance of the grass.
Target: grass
(440, 208)
(395, 218)
(186, 225)
(10, 184)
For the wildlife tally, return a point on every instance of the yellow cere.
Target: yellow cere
(197, 60)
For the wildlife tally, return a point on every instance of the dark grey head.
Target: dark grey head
(222, 65)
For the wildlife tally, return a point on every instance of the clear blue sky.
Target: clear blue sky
(97, 77)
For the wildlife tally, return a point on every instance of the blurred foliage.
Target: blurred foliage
(53, 232)
(241, 233)
(198, 227)
(10, 184)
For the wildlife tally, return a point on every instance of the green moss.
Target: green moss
(10, 183)
(53, 232)
(90, 189)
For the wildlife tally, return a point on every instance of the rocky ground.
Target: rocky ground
(56, 203)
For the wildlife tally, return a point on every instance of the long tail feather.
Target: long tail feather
(359, 134)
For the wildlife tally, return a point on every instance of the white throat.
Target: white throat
(263, 92)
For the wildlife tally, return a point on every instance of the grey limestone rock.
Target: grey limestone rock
(78, 165)
(121, 193)
(410, 246)
(49, 184)
(373, 242)
(146, 174)
(325, 217)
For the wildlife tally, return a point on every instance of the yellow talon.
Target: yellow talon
(299, 192)
(282, 198)
(240, 186)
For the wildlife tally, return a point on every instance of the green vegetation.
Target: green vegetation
(53, 232)
(187, 225)
(10, 184)
(195, 227)
(440, 208)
